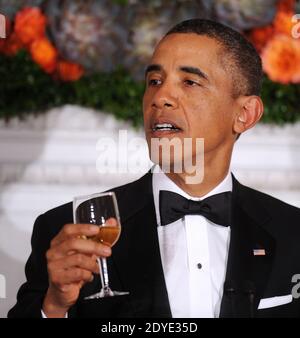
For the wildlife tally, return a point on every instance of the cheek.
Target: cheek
(147, 99)
(145, 110)
(207, 119)
(200, 113)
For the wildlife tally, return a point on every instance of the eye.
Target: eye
(154, 82)
(191, 83)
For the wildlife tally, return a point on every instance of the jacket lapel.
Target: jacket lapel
(250, 256)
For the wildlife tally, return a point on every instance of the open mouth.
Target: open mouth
(165, 127)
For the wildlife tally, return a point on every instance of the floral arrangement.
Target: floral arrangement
(29, 33)
(279, 50)
(280, 53)
(93, 53)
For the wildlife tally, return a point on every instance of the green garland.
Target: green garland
(25, 88)
(281, 102)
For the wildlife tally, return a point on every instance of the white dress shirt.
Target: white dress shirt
(194, 254)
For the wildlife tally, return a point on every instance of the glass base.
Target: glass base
(107, 292)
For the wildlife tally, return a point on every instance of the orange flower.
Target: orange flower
(44, 54)
(286, 5)
(281, 59)
(260, 36)
(30, 24)
(283, 22)
(11, 45)
(69, 71)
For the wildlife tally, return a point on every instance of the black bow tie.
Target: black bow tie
(216, 208)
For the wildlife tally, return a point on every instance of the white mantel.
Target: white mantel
(46, 160)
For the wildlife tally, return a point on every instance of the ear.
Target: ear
(249, 113)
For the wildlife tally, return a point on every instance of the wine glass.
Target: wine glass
(102, 210)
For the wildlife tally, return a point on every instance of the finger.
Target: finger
(75, 230)
(77, 260)
(69, 287)
(70, 276)
(69, 247)
(111, 221)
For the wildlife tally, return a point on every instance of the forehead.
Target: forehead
(188, 46)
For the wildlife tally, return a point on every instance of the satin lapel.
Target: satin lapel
(247, 268)
(136, 257)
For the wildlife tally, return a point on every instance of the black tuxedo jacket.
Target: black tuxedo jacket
(259, 222)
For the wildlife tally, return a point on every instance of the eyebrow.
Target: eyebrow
(194, 70)
(186, 69)
(153, 68)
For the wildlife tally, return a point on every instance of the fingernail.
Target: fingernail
(94, 228)
(106, 250)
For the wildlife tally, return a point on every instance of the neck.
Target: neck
(215, 170)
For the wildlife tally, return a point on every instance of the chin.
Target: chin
(167, 163)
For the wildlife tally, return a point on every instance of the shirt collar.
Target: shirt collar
(160, 181)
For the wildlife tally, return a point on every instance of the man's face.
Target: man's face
(188, 88)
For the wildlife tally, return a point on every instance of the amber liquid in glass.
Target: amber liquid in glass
(107, 235)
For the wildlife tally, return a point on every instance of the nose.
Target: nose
(165, 97)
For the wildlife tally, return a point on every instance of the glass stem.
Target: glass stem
(103, 274)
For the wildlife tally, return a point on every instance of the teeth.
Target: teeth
(164, 126)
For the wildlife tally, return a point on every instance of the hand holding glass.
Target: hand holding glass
(102, 210)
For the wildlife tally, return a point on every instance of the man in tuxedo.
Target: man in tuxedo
(212, 248)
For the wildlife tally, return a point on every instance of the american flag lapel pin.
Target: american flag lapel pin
(259, 252)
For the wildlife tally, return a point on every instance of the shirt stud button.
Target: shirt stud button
(199, 266)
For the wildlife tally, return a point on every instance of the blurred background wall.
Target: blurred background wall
(71, 75)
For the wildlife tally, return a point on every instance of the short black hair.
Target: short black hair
(239, 55)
